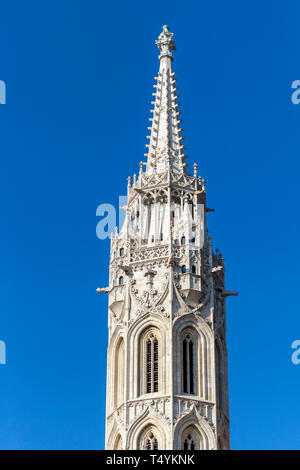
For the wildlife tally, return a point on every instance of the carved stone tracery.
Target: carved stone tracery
(164, 277)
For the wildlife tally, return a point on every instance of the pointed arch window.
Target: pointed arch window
(150, 439)
(122, 251)
(121, 280)
(218, 376)
(183, 269)
(188, 364)
(151, 364)
(119, 373)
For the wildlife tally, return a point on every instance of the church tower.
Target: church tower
(167, 377)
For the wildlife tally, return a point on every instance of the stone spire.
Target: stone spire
(165, 146)
(167, 374)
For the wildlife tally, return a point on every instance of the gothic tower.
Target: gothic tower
(167, 379)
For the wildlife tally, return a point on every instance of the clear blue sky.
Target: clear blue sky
(79, 78)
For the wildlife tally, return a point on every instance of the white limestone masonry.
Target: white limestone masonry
(167, 378)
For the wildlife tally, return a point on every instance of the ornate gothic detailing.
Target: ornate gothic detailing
(189, 307)
(147, 254)
(154, 406)
(183, 407)
(165, 43)
(165, 140)
(150, 298)
(116, 420)
(149, 441)
(153, 180)
(167, 371)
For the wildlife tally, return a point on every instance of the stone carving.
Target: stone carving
(165, 43)
(165, 279)
(150, 298)
(155, 407)
(185, 407)
(146, 254)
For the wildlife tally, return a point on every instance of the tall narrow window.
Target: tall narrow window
(183, 269)
(149, 366)
(120, 365)
(152, 365)
(193, 209)
(218, 377)
(191, 347)
(188, 366)
(182, 240)
(121, 280)
(155, 366)
(194, 269)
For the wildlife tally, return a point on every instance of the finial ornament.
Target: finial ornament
(165, 43)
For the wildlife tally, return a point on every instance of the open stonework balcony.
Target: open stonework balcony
(190, 285)
(149, 252)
